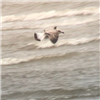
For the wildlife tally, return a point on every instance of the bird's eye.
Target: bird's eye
(55, 27)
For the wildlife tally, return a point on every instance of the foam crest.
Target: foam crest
(10, 61)
(50, 14)
(66, 42)
(31, 25)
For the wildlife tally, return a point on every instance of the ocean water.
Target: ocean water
(67, 70)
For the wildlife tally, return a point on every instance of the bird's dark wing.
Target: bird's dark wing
(36, 38)
(53, 38)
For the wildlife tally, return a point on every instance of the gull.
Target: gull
(52, 33)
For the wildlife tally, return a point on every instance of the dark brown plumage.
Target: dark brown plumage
(36, 38)
(53, 34)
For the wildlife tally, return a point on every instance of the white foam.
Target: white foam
(31, 25)
(47, 44)
(29, 21)
(10, 61)
(66, 42)
(49, 14)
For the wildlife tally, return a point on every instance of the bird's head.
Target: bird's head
(55, 27)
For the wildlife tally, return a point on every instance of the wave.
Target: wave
(10, 61)
(63, 42)
(51, 14)
(59, 93)
(31, 25)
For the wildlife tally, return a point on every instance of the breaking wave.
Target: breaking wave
(50, 14)
(10, 61)
(66, 42)
(31, 25)
(63, 17)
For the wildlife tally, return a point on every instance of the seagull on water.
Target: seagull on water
(51, 33)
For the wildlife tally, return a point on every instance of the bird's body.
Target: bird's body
(52, 33)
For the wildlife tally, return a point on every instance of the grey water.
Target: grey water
(67, 70)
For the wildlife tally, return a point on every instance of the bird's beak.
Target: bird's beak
(62, 32)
